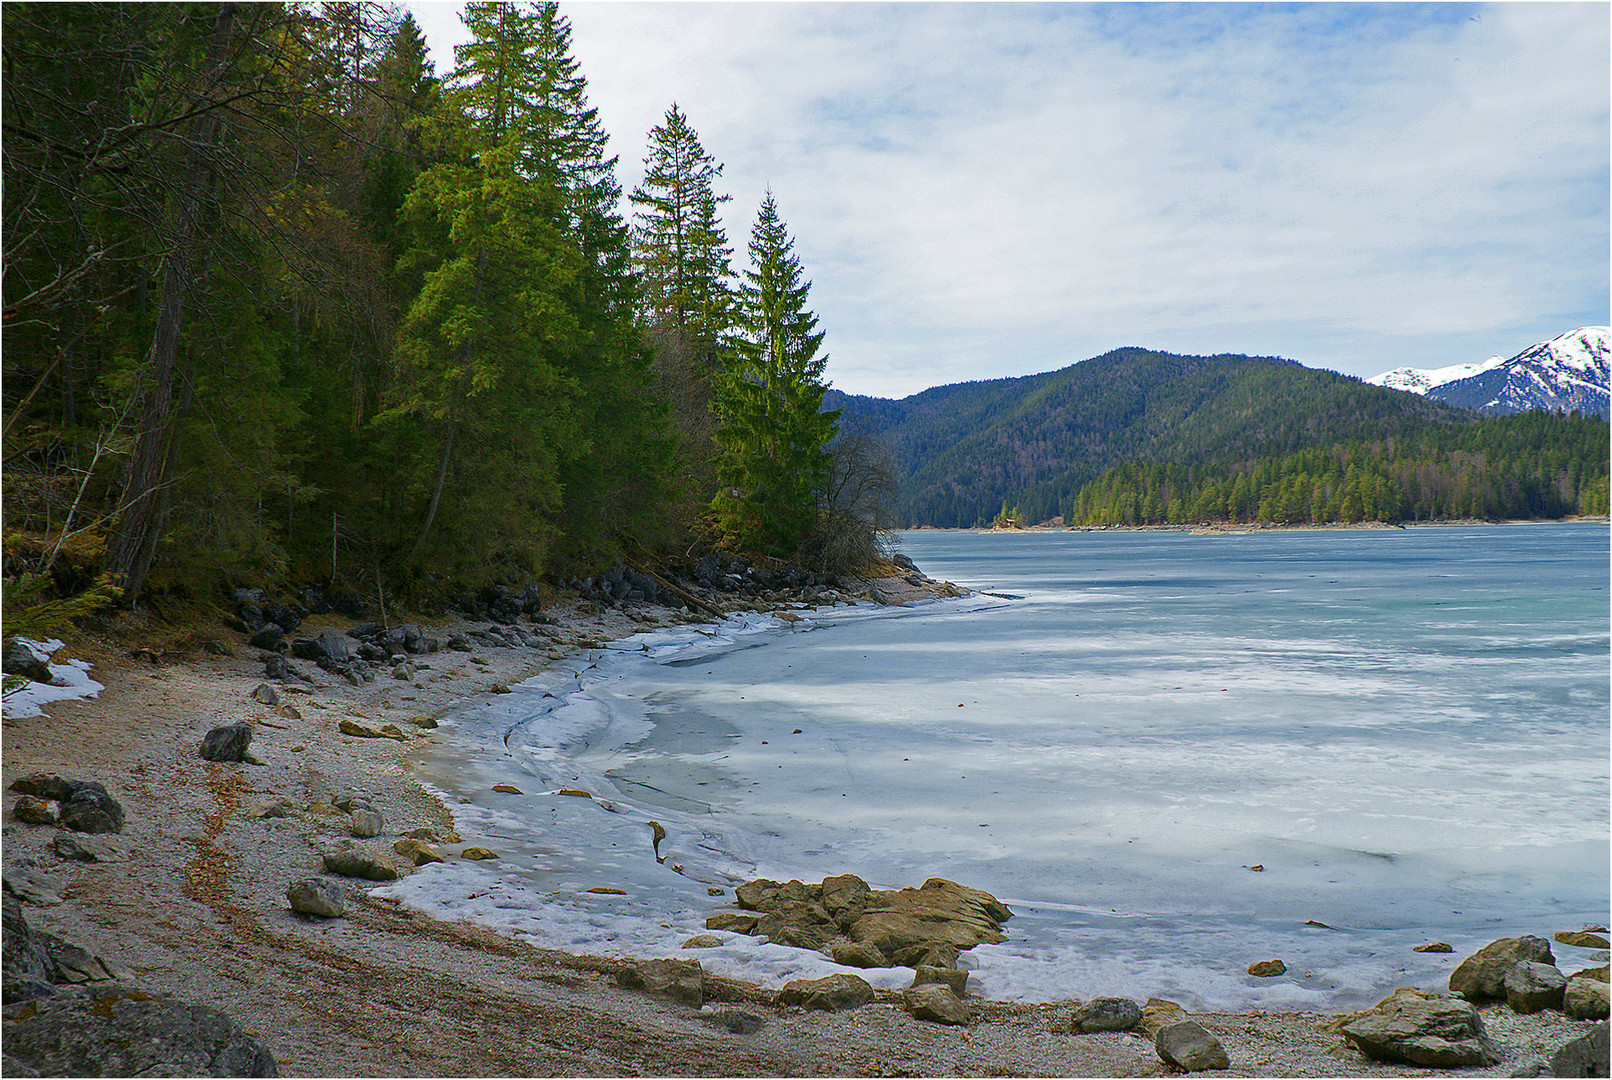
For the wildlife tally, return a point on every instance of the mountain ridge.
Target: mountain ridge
(964, 450)
(1568, 373)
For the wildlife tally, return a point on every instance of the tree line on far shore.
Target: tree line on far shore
(283, 303)
(1504, 468)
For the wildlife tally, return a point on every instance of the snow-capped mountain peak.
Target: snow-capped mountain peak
(1421, 380)
(1568, 373)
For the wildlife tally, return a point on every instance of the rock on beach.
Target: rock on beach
(1418, 1028)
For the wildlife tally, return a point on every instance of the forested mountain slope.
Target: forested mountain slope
(966, 450)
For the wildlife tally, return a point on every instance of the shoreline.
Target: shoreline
(1248, 528)
(196, 907)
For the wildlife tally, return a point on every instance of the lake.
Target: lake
(1170, 755)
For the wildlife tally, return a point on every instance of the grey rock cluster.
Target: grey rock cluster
(1523, 972)
(80, 805)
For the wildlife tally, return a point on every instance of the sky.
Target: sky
(979, 190)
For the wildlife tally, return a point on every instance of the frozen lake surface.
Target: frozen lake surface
(1407, 731)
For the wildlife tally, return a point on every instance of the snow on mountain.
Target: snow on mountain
(1565, 374)
(1421, 380)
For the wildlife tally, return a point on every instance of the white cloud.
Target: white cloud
(982, 190)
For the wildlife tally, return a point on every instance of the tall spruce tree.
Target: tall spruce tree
(682, 256)
(679, 245)
(773, 431)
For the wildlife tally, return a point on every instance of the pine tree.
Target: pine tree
(682, 257)
(680, 248)
(769, 397)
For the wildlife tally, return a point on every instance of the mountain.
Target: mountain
(1565, 374)
(965, 450)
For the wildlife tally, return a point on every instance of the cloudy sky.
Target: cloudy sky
(981, 190)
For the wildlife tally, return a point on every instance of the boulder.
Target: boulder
(953, 978)
(934, 1002)
(36, 963)
(286, 615)
(1586, 1055)
(908, 924)
(277, 807)
(19, 658)
(738, 1021)
(32, 810)
(266, 695)
(364, 731)
(271, 638)
(1105, 1014)
(355, 860)
(477, 853)
(1188, 1046)
(88, 848)
(1159, 1012)
(86, 806)
(1582, 939)
(1531, 986)
(367, 822)
(1586, 999)
(735, 921)
(1482, 975)
(831, 993)
(680, 980)
(862, 927)
(33, 886)
(318, 896)
(704, 941)
(416, 851)
(227, 743)
(118, 1031)
(89, 808)
(1267, 969)
(1418, 1028)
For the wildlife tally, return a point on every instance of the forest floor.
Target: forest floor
(197, 910)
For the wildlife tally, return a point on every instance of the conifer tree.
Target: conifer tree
(773, 430)
(681, 250)
(682, 256)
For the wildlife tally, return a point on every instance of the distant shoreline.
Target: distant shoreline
(1235, 528)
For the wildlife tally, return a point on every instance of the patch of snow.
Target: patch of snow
(69, 680)
(1421, 380)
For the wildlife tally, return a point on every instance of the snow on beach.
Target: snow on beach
(70, 680)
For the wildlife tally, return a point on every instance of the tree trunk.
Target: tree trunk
(145, 503)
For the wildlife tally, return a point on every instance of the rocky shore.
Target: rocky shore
(168, 856)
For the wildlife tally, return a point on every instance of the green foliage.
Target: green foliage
(29, 614)
(1534, 465)
(773, 464)
(680, 248)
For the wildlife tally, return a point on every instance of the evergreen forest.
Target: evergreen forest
(285, 303)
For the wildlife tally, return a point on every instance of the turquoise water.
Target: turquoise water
(1406, 732)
